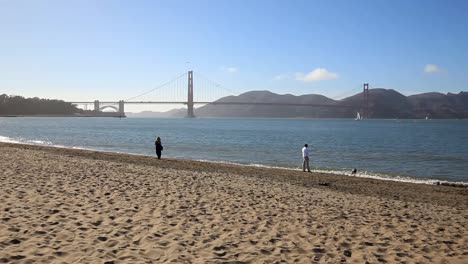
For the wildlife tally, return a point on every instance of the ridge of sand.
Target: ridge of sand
(76, 206)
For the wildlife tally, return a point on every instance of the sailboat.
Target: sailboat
(358, 116)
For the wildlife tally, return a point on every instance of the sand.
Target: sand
(76, 206)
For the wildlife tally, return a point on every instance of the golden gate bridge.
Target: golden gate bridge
(208, 92)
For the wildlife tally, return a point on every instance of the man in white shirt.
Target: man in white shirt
(305, 156)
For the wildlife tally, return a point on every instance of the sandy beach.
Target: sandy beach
(76, 206)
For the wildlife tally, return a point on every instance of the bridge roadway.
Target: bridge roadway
(221, 103)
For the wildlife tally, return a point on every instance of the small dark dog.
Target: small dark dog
(354, 171)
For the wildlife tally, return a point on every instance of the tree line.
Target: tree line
(18, 105)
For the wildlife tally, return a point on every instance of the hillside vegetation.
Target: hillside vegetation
(18, 105)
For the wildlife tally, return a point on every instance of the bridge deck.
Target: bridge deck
(222, 103)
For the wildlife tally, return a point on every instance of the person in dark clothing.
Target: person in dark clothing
(159, 147)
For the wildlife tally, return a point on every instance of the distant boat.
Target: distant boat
(358, 116)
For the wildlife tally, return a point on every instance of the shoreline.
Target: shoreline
(444, 194)
(336, 172)
(61, 116)
(227, 117)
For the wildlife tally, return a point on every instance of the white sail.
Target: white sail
(358, 116)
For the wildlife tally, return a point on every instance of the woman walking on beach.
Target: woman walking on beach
(159, 147)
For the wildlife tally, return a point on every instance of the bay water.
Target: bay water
(424, 151)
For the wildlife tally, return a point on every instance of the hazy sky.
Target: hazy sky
(111, 50)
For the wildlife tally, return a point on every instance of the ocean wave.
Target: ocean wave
(397, 178)
(39, 142)
(8, 140)
(25, 141)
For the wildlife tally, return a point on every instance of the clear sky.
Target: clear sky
(115, 49)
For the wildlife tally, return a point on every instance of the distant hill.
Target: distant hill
(213, 110)
(438, 105)
(383, 103)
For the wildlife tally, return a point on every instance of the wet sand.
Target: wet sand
(76, 206)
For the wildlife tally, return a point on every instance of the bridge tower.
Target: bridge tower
(121, 108)
(96, 106)
(365, 101)
(190, 113)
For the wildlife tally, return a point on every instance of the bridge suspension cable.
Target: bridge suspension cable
(211, 88)
(158, 87)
